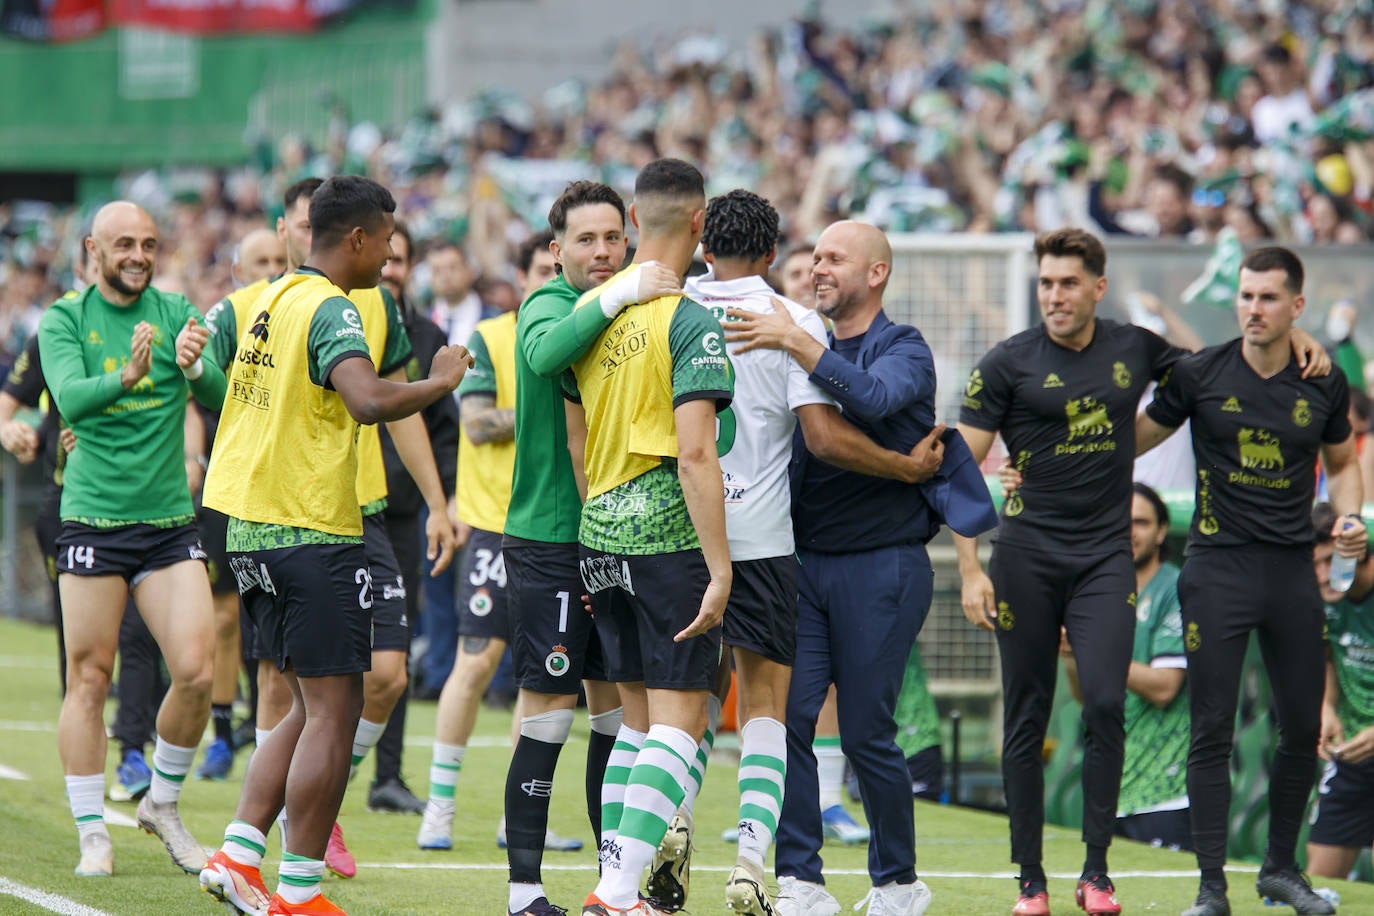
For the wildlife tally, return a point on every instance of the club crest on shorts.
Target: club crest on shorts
(557, 662)
(480, 603)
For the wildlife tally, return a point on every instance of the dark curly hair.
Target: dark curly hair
(740, 224)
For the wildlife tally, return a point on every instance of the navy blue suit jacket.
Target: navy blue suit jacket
(889, 393)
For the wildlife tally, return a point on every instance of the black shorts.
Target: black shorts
(129, 551)
(312, 606)
(390, 626)
(762, 613)
(641, 603)
(213, 526)
(927, 769)
(554, 644)
(249, 637)
(1165, 829)
(482, 606)
(1343, 814)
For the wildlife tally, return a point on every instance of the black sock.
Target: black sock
(1273, 863)
(598, 752)
(1095, 863)
(1033, 873)
(529, 785)
(388, 751)
(222, 714)
(1214, 876)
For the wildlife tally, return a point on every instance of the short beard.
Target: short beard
(117, 283)
(841, 307)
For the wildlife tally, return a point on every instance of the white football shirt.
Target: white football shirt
(756, 430)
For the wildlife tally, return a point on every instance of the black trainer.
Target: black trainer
(542, 907)
(1211, 901)
(1288, 885)
(394, 796)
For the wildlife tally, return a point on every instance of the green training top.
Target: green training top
(1154, 777)
(128, 466)
(918, 720)
(549, 337)
(1350, 638)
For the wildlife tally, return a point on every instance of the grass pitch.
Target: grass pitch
(961, 854)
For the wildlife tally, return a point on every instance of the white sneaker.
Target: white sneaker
(897, 899)
(163, 822)
(97, 856)
(745, 893)
(436, 826)
(804, 898)
(553, 842)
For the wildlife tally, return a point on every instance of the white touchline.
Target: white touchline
(50, 902)
(26, 661)
(12, 773)
(853, 872)
(13, 725)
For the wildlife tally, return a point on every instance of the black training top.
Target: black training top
(1256, 441)
(1068, 419)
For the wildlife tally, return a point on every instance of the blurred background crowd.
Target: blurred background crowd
(1166, 119)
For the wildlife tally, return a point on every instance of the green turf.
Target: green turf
(38, 842)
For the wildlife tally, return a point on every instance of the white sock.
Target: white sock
(298, 878)
(244, 843)
(522, 895)
(281, 827)
(170, 766)
(829, 770)
(444, 766)
(762, 774)
(260, 735)
(364, 740)
(86, 795)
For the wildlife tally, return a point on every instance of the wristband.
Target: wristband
(193, 371)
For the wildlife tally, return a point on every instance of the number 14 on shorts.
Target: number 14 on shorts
(80, 556)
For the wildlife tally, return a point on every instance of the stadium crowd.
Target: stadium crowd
(1162, 119)
(1166, 120)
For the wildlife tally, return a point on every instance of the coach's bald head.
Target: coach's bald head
(261, 255)
(851, 266)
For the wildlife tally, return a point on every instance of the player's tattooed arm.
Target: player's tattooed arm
(485, 422)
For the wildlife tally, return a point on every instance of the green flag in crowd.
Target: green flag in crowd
(1217, 284)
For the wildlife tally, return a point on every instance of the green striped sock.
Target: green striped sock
(618, 767)
(298, 878)
(703, 755)
(762, 773)
(170, 766)
(656, 787)
(443, 770)
(86, 795)
(364, 740)
(244, 843)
